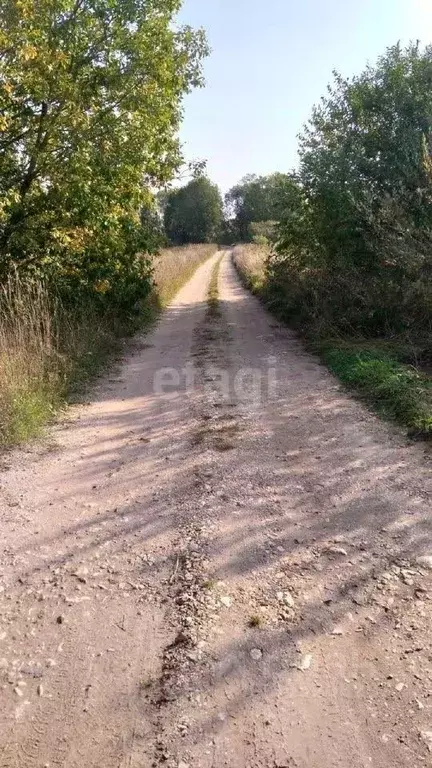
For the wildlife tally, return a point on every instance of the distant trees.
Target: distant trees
(193, 213)
(253, 201)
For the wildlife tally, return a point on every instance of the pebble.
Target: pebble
(427, 738)
(337, 631)
(306, 662)
(408, 581)
(337, 551)
(256, 654)
(287, 598)
(400, 686)
(425, 561)
(226, 601)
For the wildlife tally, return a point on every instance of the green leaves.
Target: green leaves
(193, 213)
(254, 200)
(90, 103)
(355, 232)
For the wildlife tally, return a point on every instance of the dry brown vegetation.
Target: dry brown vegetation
(46, 352)
(175, 266)
(250, 260)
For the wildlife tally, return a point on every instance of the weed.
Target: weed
(213, 291)
(255, 621)
(209, 584)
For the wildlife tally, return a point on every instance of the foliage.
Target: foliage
(193, 213)
(254, 200)
(90, 103)
(355, 230)
(352, 262)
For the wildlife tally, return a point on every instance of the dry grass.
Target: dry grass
(46, 352)
(31, 368)
(175, 266)
(250, 260)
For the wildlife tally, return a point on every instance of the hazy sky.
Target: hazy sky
(271, 61)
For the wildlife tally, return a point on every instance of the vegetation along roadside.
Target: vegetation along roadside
(385, 373)
(91, 99)
(48, 353)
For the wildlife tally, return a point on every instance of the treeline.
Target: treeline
(351, 230)
(353, 249)
(197, 213)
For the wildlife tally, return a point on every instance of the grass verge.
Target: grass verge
(49, 354)
(213, 290)
(382, 372)
(175, 266)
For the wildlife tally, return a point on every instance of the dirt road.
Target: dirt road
(239, 575)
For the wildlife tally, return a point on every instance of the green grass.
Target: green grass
(27, 413)
(213, 290)
(397, 391)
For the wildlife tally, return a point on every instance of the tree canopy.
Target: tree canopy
(355, 230)
(193, 213)
(90, 104)
(253, 200)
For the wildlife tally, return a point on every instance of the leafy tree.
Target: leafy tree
(90, 104)
(355, 230)
(253, 200)
(193, 213)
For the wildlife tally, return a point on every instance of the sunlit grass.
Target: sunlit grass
(48, 353)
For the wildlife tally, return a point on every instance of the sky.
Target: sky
(271, 62)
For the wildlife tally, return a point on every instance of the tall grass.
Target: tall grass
(31, 366)
(175, 266)
(251, 260)
(47, 352)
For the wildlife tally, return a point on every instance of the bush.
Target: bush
(355, 230)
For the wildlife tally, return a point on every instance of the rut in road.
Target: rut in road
(227, 577)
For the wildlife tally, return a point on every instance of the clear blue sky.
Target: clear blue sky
(271, 61)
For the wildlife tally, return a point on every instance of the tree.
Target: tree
(193, 213)
(90, 104)
(355, 232)
(253, 200)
